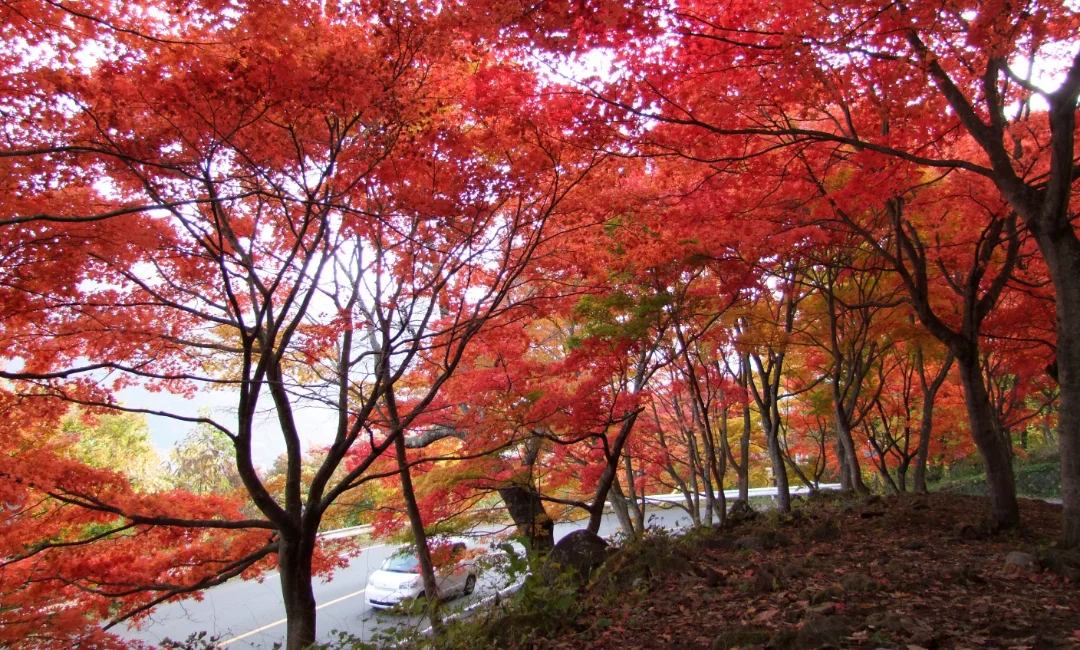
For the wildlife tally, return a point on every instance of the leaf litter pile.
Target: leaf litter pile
(905, 572)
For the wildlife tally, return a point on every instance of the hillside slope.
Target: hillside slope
(905, 572)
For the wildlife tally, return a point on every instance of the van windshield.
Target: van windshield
(402, 563)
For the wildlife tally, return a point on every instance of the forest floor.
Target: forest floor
(903, 572)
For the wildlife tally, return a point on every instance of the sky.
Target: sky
(316, 425)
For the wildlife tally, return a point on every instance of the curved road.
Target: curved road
(247, 614)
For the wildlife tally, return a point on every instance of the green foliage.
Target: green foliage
(539, 607)
(1043, 480)
(618, 315)
(101, 440)
(204, 462)
(1036, 476)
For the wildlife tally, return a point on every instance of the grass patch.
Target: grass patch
(1038, 480)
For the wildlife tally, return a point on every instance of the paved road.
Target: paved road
(248, 615)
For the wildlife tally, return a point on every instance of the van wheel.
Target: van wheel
(470, 585)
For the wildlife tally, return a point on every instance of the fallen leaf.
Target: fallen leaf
(766, 615)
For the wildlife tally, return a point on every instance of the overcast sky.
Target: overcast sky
(316, 425)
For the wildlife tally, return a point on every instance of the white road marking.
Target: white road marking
(285, 620)
(338, 600)
(245, 635)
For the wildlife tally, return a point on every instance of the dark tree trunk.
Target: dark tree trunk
(530, 516)
(744, 456)
(416, 522)
(1069, 450)
(294, 567)
(1062, 252)
(783, 494)
(718, 465)
(901, 474)
(769, 413)
(770, 422)
(742, 466)
(852, 357)
(621, 507)
(694, 500)
(851, 455)
(887, 479)
(636, 512)
(705, 466)
(997, 463)
(926, 429)
(603, 486)
(613, 451)
(883, 468)
(926, 424)
(841, 463)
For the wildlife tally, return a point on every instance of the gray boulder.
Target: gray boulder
(580, 552)
(740, 513)
(1018, 562)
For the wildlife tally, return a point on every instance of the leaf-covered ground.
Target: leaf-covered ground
(907, 572)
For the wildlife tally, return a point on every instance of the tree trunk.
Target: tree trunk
(926, 424)
(530, 516)
(1069, 449)
(719, 469)
(926, 429)
(1061, 249)
(636, 511)
(901, 474)
(416, 522)
(783, 494)
(1004, 509)
(883, 469)
(744, 455)
(769, 414)
(841, 463)
(603, 486)
(707, 464)
(851, 456)
(846, 384)
(294, 568)
(694, 502)
(621, 508)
